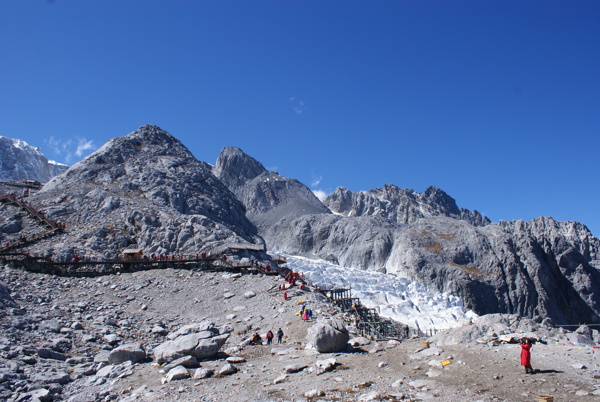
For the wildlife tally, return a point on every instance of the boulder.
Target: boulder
(202, 372)
(314, 393)
(328, 336)
(116, 371)
(294, 368)
(45, 353)
(193, 328)
(228, 369)
(133, 352)
(185, 361)
(326, 364)
(200, 345)
(102, 356)
(177, 373)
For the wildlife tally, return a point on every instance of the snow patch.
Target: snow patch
(399, 299)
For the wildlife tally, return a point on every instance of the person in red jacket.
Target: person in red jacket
(269, 337)
(526, 356)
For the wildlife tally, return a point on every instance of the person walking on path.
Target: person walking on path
(269, 337)
(526, 356)
(279, 336)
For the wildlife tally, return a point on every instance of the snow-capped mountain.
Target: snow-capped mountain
(21, 161)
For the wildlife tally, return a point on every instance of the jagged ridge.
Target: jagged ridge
(21, 161)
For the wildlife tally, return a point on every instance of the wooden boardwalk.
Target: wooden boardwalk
(52, 227)
(367, 320)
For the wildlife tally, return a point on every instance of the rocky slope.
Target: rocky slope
(21, 161)
(541, 269)
(62, 340)
(143, 190)
(400, 205)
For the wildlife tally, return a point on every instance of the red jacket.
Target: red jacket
(525, 354)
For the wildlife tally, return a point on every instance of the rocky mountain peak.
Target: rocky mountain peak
(21, 161)
(268, 197)
(145, 189)
(234, 167)
(400, 205)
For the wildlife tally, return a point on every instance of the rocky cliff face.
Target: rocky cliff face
(21, 161)
(268, 197)
(144, 190)
(541, 269)
(400, 205)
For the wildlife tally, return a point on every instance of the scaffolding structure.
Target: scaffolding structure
(368, 322)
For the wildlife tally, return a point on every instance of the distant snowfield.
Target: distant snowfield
(396, 298)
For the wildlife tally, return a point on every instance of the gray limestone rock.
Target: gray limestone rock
(400, 205)
(328, 336)
(177, 373)
(228, 369)
(202, 372)
(133, 352)
(116, 371)
(185, 361)
(197, 345)
(6, 301)
(45, 353)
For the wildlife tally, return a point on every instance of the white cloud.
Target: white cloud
(67, 150)
(298, 105)
(320, 194)
(316, 181)
(83, 145)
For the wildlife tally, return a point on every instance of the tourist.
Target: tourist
(526, 356)
(279, 336)
(269, 337)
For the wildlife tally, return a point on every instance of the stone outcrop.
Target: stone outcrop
(133, 352)
(328, 336)
(200, 345)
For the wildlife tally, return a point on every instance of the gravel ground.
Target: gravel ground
(85, 316)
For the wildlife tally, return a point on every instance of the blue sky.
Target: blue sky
(495, 102)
